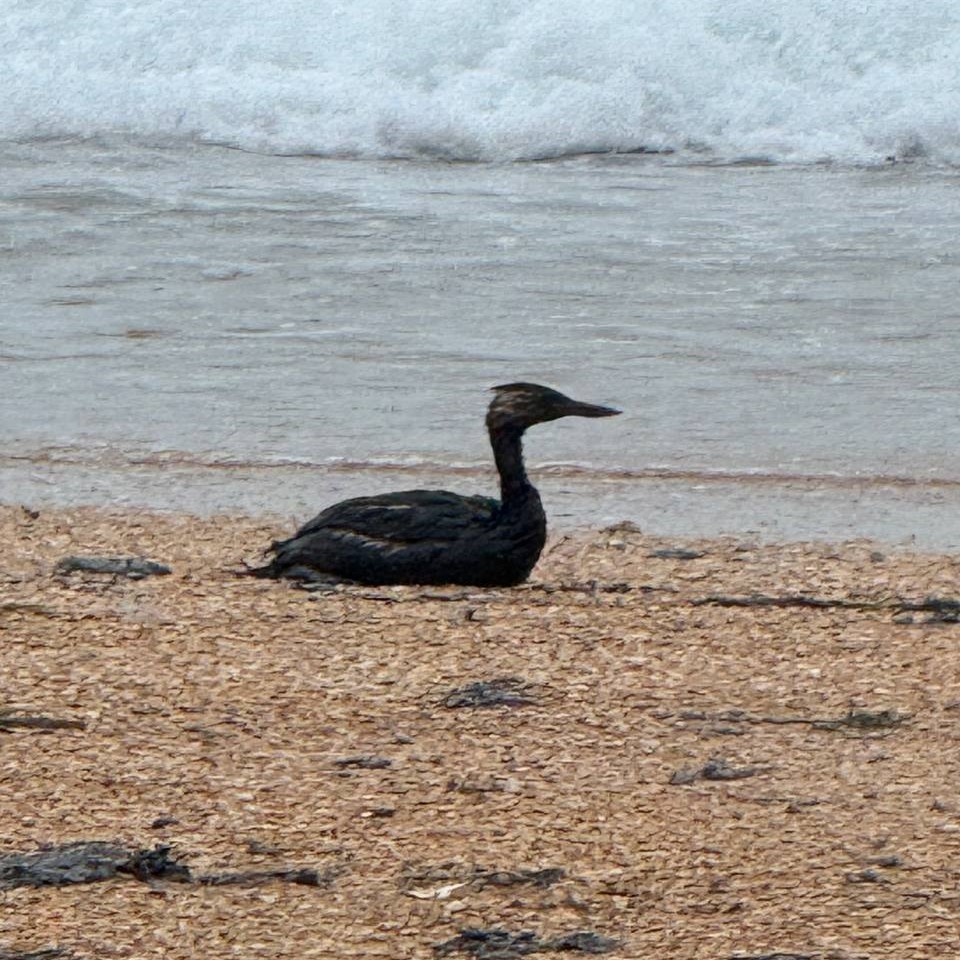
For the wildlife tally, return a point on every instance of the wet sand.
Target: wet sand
(256, 727)
(892, 510)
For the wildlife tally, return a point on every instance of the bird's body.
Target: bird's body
(434, 536)
(418, 536)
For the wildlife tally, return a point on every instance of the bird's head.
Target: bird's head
(521, 405)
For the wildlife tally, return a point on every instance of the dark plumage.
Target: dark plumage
(433, 536)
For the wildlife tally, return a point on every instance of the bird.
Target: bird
(435, 536)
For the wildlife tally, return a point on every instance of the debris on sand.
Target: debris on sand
(93, 861)
(59, 866)
(505, 692)
(592, 587)
(49, 953)
(714, 769)
(303, 877)
(941, 610)
(155, 864)
(134, 568)
(160, 822)
(853, 721)
(864, 720)
(789, 600)
(502, 945)
(14, 721)
(365, 762)
(676, 553)
(511, 878)
(866, 876)
(424, 883)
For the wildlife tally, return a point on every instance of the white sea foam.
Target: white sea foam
(790, 80)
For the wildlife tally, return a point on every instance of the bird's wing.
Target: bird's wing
(406, 517)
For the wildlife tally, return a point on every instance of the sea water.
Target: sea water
(257, 261)
(789, 80)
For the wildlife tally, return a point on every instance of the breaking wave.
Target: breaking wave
(780, 80)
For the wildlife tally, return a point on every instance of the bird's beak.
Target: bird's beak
(577, 409)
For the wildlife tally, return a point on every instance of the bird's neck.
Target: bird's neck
(507, 443)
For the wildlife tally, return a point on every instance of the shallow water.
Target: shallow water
(206, 329)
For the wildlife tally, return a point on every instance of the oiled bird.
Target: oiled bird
(434, 536)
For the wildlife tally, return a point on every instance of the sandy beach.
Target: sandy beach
(258, 260)
(685, 778)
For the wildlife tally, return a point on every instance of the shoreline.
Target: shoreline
(275, 524)
(922, 516)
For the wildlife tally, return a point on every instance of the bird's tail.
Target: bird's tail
(271, 569)
(264, 572)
